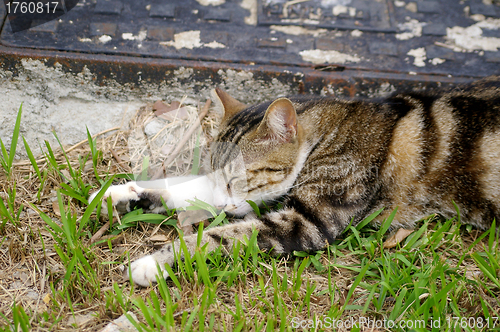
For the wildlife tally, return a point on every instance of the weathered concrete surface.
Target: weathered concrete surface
(70, 102)
(61, 102)
(121, 324)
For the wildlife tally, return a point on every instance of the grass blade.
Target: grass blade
(7, 159)
(486, 268)
(15, 136)
(196, 155)
(32, 159)
(355, 284)
(217, 220)
(368, 219)
(5, 156)
(386, 224)
(68, 229)
(70, 169)
(92, 205)
(255, 208)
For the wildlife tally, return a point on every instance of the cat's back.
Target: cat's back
(445, 148)
(419, 151)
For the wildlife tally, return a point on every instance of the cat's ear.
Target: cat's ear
(230, 106)
(280, 121)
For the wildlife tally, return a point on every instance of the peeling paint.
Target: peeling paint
(140, 36)
(467, 10)
(250, 5)
(211, 2)
(412, 28)
(214, 44)
(490, 24)
(356, 33)
(105, 38)
(420, 56)
(186, 39)
(317, 15)
(471, 38)
(330, 3)
(340, 9)
(298, 30)
(320, 57)
(437, 61)
(300, 21)
(478, 17)
(412, 7)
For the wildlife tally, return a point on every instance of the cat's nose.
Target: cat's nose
(220, 207)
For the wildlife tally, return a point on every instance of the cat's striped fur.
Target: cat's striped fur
(335, 161)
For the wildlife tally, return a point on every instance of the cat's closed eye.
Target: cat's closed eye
(236, 186)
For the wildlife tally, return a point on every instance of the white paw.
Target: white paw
(144, 271)
(121, 195)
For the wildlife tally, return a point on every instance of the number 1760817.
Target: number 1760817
(31, 7)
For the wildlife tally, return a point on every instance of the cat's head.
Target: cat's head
(255, 154)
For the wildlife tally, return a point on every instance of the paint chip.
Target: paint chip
(140, 36)
(412, 28)
(186, 39)
(250, 5)
(211, 2)
(420, 56)
(190, 40)
(321, 57)
(356, 33)
(330, 3)
(437, 61)
(298, 30)
(411, 7)
(300, 21)
(341, 9)
(471, 38)
(105, 38)
(214, 44)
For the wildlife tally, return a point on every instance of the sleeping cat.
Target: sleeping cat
(333, 161)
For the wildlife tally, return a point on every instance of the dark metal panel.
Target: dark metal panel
(364, 38)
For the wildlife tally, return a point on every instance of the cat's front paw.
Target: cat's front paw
(124, 197)
(144, 271)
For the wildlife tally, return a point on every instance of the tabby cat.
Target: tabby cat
(333, 161)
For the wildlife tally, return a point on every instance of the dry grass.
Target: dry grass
(27, 257)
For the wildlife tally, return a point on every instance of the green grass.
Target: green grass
(442, 277)
(7, 158)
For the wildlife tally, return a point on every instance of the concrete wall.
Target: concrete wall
(68, 101)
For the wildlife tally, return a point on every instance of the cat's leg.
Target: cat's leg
(148, 195)
(283, 231)
(143, 271)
